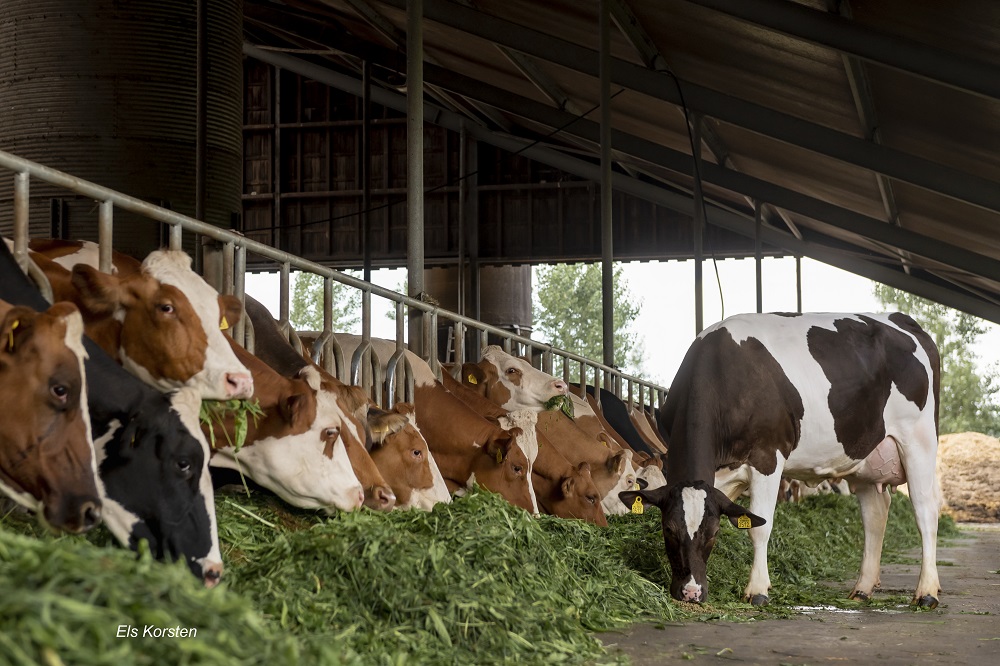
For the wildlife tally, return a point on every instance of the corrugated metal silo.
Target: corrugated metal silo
(106, 90)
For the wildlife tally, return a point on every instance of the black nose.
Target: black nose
(91, 515)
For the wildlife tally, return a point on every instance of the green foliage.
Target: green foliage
(476, 581)
(968, 395)
(306, 307)
(568, 313)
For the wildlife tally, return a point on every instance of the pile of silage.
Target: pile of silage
(477, 581)
(66, 601)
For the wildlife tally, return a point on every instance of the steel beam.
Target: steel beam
(896, 164)
(846, 36)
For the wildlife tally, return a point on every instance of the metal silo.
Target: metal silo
(106, 90)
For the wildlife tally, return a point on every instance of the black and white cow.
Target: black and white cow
(152, 458)
(810, 396)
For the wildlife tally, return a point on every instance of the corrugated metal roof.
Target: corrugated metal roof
(798, 98)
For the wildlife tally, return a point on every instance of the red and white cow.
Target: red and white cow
(159, 319)
(297, 448)
(47, 459)
(810, 396)
(512, 382)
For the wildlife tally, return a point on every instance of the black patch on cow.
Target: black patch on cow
(616, 414)
(729, 404)
(907, 323)
(862, 360)
(787, 314)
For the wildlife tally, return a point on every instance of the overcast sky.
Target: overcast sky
(666, 292)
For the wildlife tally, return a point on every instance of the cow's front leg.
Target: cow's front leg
(763, 497)
(874, 514)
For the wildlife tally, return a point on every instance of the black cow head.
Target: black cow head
(154, 468)
(691, 519)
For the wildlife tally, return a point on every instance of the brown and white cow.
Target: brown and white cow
(297, 449)
(396, 445)
(810, 396)
(511, 382)
(564, 489)
(47, 459)
(159, 319)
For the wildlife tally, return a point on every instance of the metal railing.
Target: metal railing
(365, 368)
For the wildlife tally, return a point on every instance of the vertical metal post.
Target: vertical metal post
(283, 296)
(105, 232)
(607, 235)
(366, 168)
(471, 204)
(201, 106)
(239, 290)
(276, 162)
(21, 201)
(463, 192)
(798, 284)
(176, 237)
(415, 169)
(228, 259)
(757, 218)
(699, 230)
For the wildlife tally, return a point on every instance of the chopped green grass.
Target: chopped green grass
(476, 581)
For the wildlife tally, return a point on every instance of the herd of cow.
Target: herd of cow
(103, 390)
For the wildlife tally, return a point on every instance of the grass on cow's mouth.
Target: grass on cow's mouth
(214, 412)
(477, 581)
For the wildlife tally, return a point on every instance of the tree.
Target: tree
(568, 313)
(307, 304)
(968, 394)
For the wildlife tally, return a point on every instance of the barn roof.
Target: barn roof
(868, 133)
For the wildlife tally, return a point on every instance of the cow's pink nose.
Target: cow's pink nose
(560, 386)
(385, 499)
(213, 573)
(692, 593)
(239, 385)
(361, 499)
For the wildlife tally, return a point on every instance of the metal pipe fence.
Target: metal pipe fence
(365, 368)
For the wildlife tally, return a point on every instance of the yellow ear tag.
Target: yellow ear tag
(10, 343)
(224, 325)
(637, 505)
(472, 379)
(499, 456)
(743, 522)
(635, 486)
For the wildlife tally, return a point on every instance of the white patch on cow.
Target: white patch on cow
(611, 503)
(173, 267)
(527, 421)
(74, 342)
(27, 500)
(426, 498)
(120, 521)
(187, 404)
(536, 387)
(471, 482)
(296, 468)
(89, 253)
(310, 375)
(653, 476)
(693, 500)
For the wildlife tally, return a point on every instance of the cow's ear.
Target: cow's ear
(739, 516)
(568, 487)
(295, 410)
(616, 463)
(499, 448)
(16, 328)
(655, 497)
(100, 293)
(231, 309)
(474, 377)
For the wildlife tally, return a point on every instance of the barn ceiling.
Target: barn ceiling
(868, 133)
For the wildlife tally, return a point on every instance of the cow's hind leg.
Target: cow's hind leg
(919, 455)
(874, 514)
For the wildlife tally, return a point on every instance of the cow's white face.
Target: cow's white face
(311, 470)
(223, 377)
(517, 385)
(527, 441)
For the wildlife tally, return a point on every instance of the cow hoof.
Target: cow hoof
(759, 600)
(927, 601)
(858, 595)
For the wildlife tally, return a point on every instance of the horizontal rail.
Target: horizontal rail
(237, 244)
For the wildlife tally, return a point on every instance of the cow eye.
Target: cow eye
(331, 433)
(592, 499)
(417, 453)
(165, 308)
(59, 392)
(517, 469)
(511, 371)
(184, 466)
